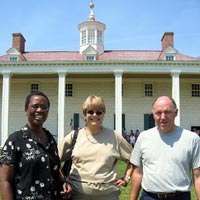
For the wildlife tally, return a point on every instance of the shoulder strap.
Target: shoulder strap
(64, 172)
(74, 138)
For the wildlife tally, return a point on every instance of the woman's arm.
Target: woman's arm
(6, 179)
(127, 176)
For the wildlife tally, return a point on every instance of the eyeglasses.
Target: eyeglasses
(42, 106)
(91, 112)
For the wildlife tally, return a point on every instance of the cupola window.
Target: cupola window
(83, 37)
(91, 36)
(99, 37)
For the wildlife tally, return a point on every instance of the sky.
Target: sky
(52, 25)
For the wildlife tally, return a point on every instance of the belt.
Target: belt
(164, 195)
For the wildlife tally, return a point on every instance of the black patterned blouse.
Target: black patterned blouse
(36, 166)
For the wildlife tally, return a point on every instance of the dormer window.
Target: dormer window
(169, 58)
(90, 57)
(14, 55)
(13, 58)
(170, 54)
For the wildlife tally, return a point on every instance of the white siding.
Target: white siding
(135, 104)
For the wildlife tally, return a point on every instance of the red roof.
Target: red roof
(112, 55)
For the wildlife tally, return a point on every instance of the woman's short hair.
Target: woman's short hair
(93, 103)
(36, 93)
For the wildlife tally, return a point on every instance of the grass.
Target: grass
(125, 191)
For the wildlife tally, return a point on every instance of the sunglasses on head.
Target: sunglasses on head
(42, 106)
(91, 112)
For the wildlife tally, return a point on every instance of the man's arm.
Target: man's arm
(136, 182)
(196, 180)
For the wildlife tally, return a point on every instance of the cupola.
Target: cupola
(91, 37)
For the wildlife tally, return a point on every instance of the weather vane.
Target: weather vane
(91, 16)
(91, 4)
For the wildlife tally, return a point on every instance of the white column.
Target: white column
(176, 93)
(5, 107)
(61, 106)
(118, 100)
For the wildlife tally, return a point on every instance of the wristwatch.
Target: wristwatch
(127, 177)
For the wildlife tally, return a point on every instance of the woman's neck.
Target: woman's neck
(36, 129)
(93, 129)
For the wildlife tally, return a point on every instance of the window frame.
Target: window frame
(91, 36)
(83, 37)
(69, 91)
(35, 87)
(13, 58)
(148, 89)
(195, 90)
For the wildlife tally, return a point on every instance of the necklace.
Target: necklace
(91, 138)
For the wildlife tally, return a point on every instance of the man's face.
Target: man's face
(164, 114)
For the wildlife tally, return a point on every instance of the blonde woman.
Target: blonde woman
(93, 174)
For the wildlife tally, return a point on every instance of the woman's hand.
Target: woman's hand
(67, 190)
(121, 182)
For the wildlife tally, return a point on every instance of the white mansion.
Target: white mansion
(128, 81)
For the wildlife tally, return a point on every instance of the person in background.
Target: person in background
(29, 162)
(164, 156)
(132, 138)
(124, 133)
(97, 149)
(137, 133)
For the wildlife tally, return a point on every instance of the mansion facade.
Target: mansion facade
(128, 81)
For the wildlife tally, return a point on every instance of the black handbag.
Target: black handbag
(68, 163)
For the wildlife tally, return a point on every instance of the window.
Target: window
(13, 59)
(34, 87)
(89, 58)
(148, 90)
(195, 90)
(68, 90)
(83, 37)
(99, 36)
(170, 58)
(91, 36)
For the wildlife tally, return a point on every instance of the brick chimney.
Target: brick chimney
(18, 42)
(167, 40)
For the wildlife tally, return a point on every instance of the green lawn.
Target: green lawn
(125, 192)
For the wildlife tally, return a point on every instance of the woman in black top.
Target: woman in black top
(29, 162)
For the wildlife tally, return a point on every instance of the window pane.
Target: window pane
(34, 87)
(68, 90)
(195, 90)
(99, 37)
(148, 90)
(90, 58)
(13, 59)
(83, 37)
(91, 36)
(170, 58)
